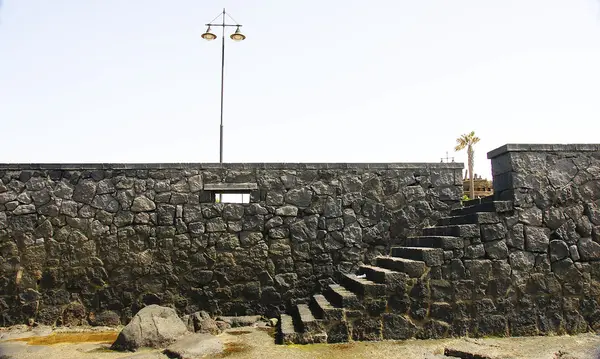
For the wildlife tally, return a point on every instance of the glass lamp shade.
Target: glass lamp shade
(237, 35)
(209, 36)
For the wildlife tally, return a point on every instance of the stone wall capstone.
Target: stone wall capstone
(82, 243)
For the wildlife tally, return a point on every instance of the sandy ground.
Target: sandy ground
(258, 343)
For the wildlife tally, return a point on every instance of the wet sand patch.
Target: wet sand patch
(72, 338)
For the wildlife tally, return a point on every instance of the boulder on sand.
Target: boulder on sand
(201, 322)
(197, 345)
(152, 327)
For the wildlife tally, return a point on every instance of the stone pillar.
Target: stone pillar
(546, 175)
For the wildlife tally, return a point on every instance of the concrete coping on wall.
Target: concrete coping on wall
(230, 186)
(231, 166)
(524, 147)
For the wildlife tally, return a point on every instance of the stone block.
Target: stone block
(493, 232)
(521, 260)
(287, 211)
(574, 253)
(496, 249)
(588, 249)
(463, 290)
(558, 250)
(475, 251)
(478, 270)
(366, 328)
(434, 329)
(441, 311)
(398, 327)
(530, 216)
(537, 239)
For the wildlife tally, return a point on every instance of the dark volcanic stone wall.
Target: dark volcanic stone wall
(553, 238)
(94, 243)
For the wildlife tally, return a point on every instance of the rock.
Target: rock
(123, 218)
(521, 260)
(462, 352)
(241, 321)
(397, 327)
(84, 191)
(63, 190)
(105, 186)
(273, 322)
(181, 186)
(195, 346)
(287, 211)
(24, 198)
(531, 216)
(69, 208)
(333, 208)
(153, 326)
(3, 220)
(588, 249)
(23, 223)
(6, 197)
(567, 232)
(536, 239)
(146, 356)
(304, 230)
(142, 204)
(233, 212)
(222, 325)
(105, 202)
(496, 249)
(74, 315)
(108, 318)
(195, 183)
(574, 252)
(274, 198)
(216, 225)
(492, 232)
(301, 197)
(475, 251)
(201, 322)
(24, 209)
(558, 250)
(165, 214)
(11, 206)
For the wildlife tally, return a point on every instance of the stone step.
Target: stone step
(475, 201)
(431, 256)
(495, 206)
(324, 310)
(381, 275)
(458, 230)
(471, 218)
(287, 332)
(362, 286)
(414, 269)
(306, 320)
(443, 242)
(341, 297)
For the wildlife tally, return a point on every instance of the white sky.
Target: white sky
(315, 81)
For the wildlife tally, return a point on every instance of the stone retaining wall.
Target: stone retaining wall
(95, 243)
(552, 240)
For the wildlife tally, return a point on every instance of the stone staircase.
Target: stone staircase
(407, 294)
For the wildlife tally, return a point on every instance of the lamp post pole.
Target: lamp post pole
(222, 89)
(236, 36)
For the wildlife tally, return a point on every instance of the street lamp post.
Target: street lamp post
(236, 36)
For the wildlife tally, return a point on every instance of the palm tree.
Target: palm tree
(467, 141)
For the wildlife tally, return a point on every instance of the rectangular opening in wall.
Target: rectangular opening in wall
(228, 197)
(231, 192)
